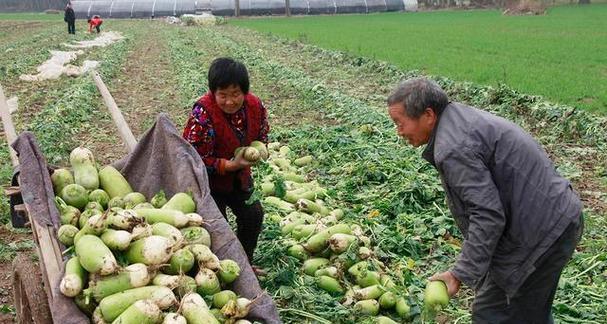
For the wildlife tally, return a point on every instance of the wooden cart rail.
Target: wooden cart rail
(34, 282)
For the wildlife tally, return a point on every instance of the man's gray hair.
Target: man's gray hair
(418, 94)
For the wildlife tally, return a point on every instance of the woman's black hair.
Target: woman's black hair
(225, 72)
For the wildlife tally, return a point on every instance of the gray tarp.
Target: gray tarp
(161, 160)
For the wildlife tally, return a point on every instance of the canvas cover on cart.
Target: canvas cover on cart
(161, 160)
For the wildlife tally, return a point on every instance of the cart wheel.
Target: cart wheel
(29, 296)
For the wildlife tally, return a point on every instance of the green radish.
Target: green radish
(132, 199)
(86, 215)
(67, 214)
(218, 315)
(337, 213)
(174, 318)
(303, 231)
(66, 234)
(196, 311)
(61, 178)
(364, 252)
(311, 265)
(402, 308)
(97, 224)
(283, 164)
(304, 160)
(386, 281)
(330, 285)
(221, 298)
(182, 202)
(289, 226)
(371, 292)
(279, 203)
(94, 256)
(328, 271)
(196, 235)
(436, 295)
(204, 256)
(97, 317)
(162, 279)
(367, 278)
(387, 300)
(207, 282)
(159, 199)
(367, 307)
(169, 231)
(124, 219)
(146, 205)
(185, 285)
(339, 243)
(117, 240)
(251, 154)
(133, 276)
(310, 206)
(151, 250)
(274, 146)
(228, 271)
(85, 171)
(75, 195)
(73, 279)
(318, 241)
(356, 269)
(140, 231)
(100, 196)
(194, 219)
(237, 309)
(115, 202)
(112, 306)
(113, 182)
(293, 177)
(141, 312)
(267, 188)
(298, 251)
(164, 215)
(384, 320)
(261, 147)
(85, 304)
(181, 261)
(284, 150)
(93, 205)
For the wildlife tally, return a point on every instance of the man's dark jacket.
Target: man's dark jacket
(69, 16)
(504, 192)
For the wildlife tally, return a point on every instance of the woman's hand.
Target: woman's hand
(238, 163)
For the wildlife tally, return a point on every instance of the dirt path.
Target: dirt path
(147, 85)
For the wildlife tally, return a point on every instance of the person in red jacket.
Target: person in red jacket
(95, 22)
(228, 116)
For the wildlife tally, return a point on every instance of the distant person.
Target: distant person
(70, 19)
(95, 22)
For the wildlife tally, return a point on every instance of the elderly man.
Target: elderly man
(519, 218)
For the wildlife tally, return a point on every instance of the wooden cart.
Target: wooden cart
(36, 299)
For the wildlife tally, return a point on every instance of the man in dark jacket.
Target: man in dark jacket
(70, 19)
(519, 218)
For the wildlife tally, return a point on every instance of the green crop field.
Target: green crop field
(561, 56)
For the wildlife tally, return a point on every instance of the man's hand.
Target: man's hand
(449, 279)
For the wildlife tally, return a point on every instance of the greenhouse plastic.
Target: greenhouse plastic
(161, 8)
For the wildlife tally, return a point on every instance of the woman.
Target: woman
(228, 116)
(95, 22)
